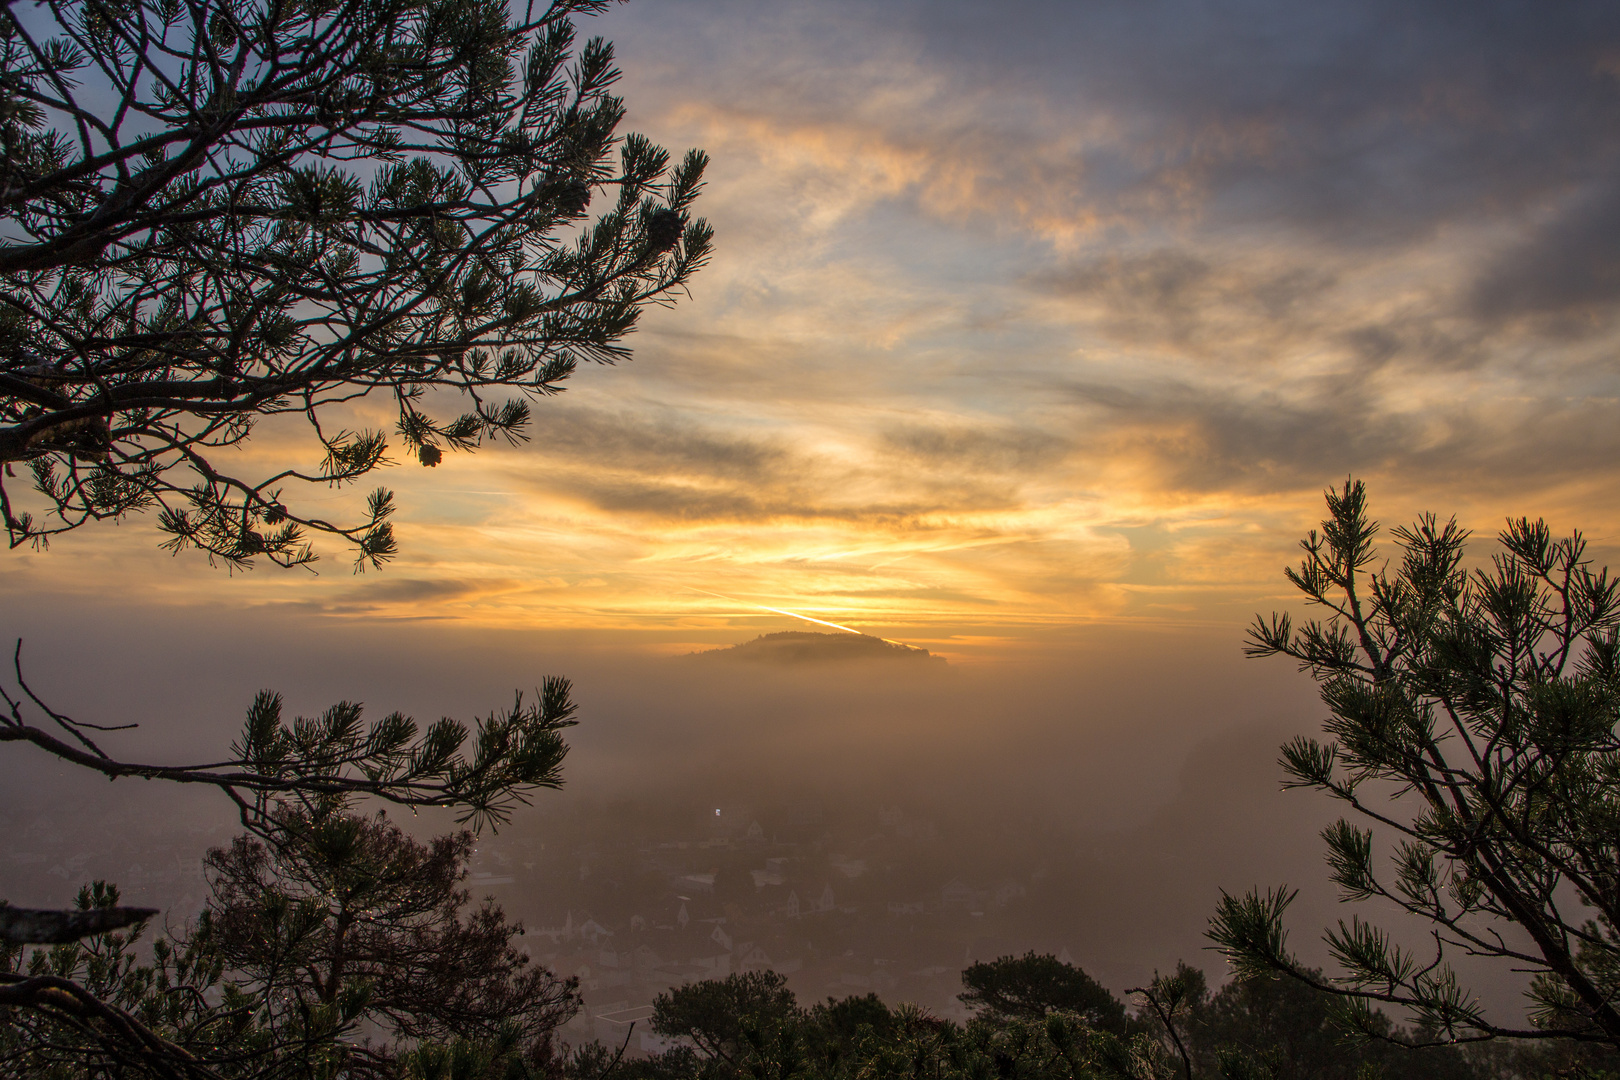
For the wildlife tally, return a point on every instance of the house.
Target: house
(775, 873)
(791, 908)
(958, 895)
(557, 934)
(703, 883)
(717, 966)
(1007, 891)
(752, 958)
(721, 938)
(593, 931)
(906, 907)
(850, 868)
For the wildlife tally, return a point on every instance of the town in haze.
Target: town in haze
(842, 896)
(719, 540)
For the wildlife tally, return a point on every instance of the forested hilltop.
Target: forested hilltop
(808, 647)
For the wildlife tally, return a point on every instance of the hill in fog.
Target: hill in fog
(805, 647)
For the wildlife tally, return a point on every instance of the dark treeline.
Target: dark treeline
(1036, 1018)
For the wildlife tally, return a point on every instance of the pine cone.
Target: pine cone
(663, 230)
(430, 455)
(573, 197)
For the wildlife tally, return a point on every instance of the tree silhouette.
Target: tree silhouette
(1472, 721)
(1033, 985)
(217, 213)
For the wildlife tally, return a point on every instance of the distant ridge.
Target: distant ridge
(806, 647)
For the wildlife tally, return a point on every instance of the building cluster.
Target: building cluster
(838, 910)
(635, 903)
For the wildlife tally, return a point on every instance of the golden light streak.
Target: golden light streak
(794, 615)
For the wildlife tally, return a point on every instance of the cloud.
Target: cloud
(1190, 438)
(413, 591)
(1368, 123)
(656, 442)
(1201, 305)
(1565, 274)
(1213, 444)
(1004, 451)
(904, 476)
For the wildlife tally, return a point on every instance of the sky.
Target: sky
(1033, 334)
(1031, 315)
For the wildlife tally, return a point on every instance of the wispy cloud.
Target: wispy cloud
(1043, 312)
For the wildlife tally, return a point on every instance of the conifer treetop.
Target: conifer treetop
(214, 212)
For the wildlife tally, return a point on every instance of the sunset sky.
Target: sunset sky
(1031, 315)
(1033, 335)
